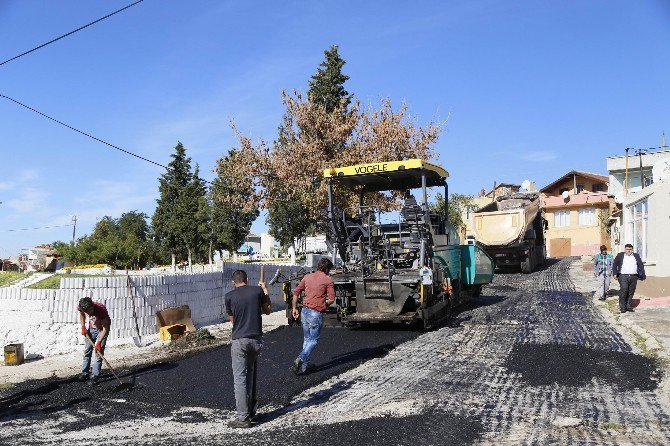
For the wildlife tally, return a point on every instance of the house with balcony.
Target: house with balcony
(641, 214)
(576, 207)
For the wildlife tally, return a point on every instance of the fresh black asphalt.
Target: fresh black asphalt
(205, 379)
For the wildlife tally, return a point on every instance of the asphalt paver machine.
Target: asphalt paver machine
(411, 269)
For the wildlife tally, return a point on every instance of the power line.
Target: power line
(71, 32)
(81, 131)
(35, 229)
(44, 115)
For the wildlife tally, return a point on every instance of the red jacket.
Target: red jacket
(318, 288)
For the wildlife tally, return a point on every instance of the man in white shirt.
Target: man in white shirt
(627, 268)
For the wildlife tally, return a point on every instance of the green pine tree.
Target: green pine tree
(327, 85)
(191, 216)
(166, 223)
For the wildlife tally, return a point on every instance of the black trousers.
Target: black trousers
(627, 284)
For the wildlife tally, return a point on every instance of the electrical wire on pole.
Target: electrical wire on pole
(74, 227)
(37, 228)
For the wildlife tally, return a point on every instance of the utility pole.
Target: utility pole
(626, 186)
(639, 154)
(74, 227)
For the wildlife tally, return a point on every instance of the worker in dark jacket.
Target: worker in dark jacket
(627, 268)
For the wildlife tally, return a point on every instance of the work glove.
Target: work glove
(98, 347)
(84, 331)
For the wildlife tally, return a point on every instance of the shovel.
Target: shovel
(122, 386)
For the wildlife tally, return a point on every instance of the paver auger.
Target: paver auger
(410, 270)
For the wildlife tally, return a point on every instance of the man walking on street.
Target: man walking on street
(244, 305)
(602, 269)
(97, 331)
(627, 268)
(319, 294)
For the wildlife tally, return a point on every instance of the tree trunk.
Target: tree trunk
(211, 244)
(174, 262)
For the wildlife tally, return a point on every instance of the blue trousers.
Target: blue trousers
(312, 322)
(88, 352)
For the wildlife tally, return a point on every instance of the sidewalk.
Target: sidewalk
(650, 322)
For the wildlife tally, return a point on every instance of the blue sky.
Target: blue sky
(531, 89)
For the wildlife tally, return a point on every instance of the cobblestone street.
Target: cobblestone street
(531, 361)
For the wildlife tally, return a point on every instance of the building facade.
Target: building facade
(641, 215)
(577, 208)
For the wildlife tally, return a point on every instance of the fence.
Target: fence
(47, 321)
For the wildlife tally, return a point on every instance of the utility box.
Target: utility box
(14, 354)
(171, 333)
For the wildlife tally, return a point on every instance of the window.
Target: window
(561, 219)
(580, 188)
(637, 227)
(587, 217)
(598, 187)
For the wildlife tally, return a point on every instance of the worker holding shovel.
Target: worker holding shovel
(97, 331)
(602, 269)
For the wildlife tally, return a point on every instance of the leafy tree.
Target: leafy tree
(136, 245)
(168, 226)
(230, 222)
(458, 203)
(327, 86)
(122, 243)
(287, 221)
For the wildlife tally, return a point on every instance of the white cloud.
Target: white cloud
(5, 186)
(30, 200)
(539, 156)
(28, 175)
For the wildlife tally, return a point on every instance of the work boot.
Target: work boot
(630, 310)
(239, 424)
(83, 377)
(295, 367)
(94, 381)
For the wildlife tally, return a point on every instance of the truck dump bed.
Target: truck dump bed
(505, 220)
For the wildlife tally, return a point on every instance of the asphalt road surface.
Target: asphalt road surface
(531, 361)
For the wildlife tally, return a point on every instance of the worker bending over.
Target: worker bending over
(97, 330)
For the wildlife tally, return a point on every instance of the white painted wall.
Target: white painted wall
(47, 321)
(658, 236)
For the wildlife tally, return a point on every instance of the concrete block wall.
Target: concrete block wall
(47, 321)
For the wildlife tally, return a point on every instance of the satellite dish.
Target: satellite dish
(565, 195)
(618, 197)
(525, 185)
(660, 171)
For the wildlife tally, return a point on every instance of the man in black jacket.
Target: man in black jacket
(627, 268)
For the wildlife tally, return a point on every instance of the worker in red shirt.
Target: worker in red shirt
(97, 330)
(319, 294)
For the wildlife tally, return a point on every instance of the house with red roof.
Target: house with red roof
(577, 209)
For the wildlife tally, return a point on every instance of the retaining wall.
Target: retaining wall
(47, 321)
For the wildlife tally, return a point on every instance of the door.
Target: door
(560, 247)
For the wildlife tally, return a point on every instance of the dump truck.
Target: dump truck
(511, 230)
(403, 266)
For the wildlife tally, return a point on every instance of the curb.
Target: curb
(651, 344)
